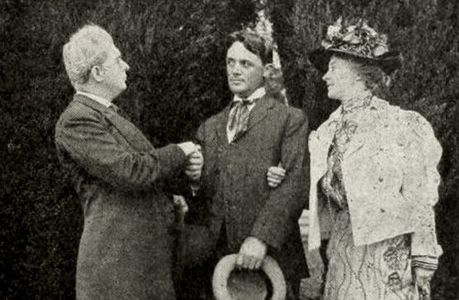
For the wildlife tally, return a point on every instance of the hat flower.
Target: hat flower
(358, 39)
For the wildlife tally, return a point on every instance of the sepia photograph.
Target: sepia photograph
(229, 149)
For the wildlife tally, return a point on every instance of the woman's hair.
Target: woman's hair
(86, 48)
(374, 77)
(254, 43)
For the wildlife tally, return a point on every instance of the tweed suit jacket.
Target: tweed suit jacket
(126, 245)
(234, 180)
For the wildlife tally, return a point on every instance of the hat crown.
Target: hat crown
(358, 39)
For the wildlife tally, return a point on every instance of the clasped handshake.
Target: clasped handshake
(195, 160)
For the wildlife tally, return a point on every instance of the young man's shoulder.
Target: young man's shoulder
(290, 112)
(214, 119)
(296, 113)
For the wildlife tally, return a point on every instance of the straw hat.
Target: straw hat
(231, 284)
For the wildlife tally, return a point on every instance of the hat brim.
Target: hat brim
(388, 62)
(228, 263)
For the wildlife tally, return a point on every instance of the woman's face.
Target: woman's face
(342, 79)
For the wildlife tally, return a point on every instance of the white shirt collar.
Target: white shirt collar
(96, 98)
(258, 93)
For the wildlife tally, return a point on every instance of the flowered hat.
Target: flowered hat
(357, 40)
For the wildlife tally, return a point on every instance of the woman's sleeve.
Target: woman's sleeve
(420, 185)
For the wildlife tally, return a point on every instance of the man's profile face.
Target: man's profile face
(115, 69)
(244, 69)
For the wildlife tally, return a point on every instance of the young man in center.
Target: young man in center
(239, 144)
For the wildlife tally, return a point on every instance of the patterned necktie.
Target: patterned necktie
(239, 117)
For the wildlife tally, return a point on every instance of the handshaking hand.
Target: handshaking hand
(195, 160)
(189, 147)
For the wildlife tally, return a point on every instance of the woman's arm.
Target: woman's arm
(420, 185)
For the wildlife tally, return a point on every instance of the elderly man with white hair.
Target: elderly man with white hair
(127, 243)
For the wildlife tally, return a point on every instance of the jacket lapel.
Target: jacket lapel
(321, 140)
(124, 127)
(364, 133)
(260, 111)
(257, 114)
(222, 123)
(356, 143)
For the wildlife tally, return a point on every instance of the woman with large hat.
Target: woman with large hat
(373, 176)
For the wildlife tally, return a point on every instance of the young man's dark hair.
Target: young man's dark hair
(254, 43)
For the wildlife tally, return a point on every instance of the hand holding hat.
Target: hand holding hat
(230, 284)
(252, 253)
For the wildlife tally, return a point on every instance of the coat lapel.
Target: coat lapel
(356, 143)
(257, 114)
(364, 133)
(124, 127)
(259, 111)
(320, 142)
(221, 125)
(129, 131)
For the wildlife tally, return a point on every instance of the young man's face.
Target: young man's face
(244, 69)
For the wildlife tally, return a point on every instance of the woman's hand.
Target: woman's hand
(422, 278)
(304, 225)
(275, 176)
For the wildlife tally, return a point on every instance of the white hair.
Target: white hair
(86, 48)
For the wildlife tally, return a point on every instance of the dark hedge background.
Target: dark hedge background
(176, 52)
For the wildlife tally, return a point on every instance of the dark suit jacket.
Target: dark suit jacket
(234, 181)
(125, 249)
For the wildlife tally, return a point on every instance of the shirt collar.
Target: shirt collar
(260, 92)
(96, 98)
